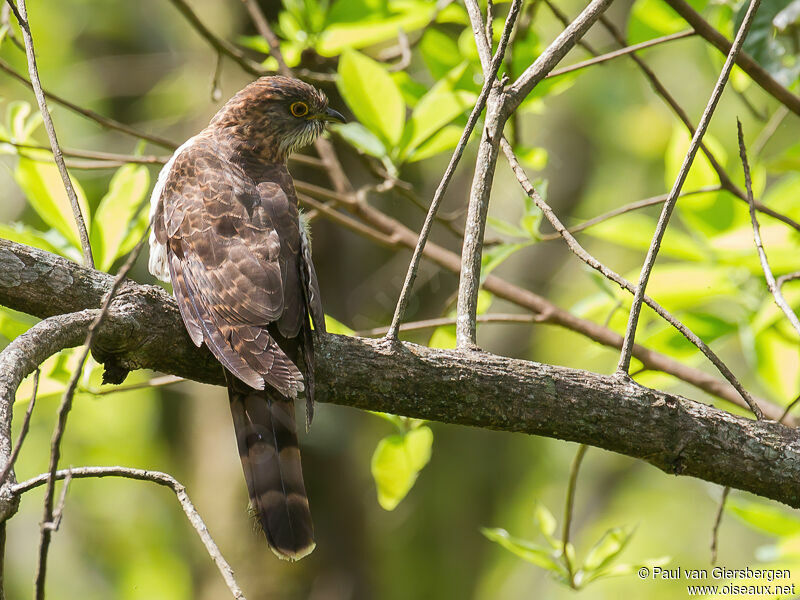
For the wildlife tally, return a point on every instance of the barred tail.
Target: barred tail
(267, 438)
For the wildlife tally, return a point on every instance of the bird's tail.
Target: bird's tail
(267, 438)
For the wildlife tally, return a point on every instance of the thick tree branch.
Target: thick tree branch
(143, 329)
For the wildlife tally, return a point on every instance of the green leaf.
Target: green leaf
(23, 234)
(361, 138)
(764, 517)
(42, 185)
(443, 337)
(336, 327)
(439, 52)
(13, 323)
(527, 551)
(446, 139)
(396, 463)
(771, 46)
(506, 228)
(435, 110)
(635, 230)
(535, 158)
(546, 523)
(372, 95)
(496, 255)
(117, 227)
(652, 18)
(342, 36)
(608, 547)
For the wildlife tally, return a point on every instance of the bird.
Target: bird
(228, 234)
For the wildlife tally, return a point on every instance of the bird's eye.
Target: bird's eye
(299, 109)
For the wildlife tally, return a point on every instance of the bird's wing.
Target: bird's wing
(228, 264)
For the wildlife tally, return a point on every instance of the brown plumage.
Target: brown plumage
(226, 233)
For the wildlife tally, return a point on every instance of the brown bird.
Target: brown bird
(228, 235)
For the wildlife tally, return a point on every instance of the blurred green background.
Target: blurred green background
(600, 138)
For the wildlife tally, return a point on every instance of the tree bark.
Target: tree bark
(677, 435)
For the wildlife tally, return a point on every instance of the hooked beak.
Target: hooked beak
(331, 115)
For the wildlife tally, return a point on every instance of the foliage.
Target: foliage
(594, 140)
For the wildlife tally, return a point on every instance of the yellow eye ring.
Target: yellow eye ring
(299, 109)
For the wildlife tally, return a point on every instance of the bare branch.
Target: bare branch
(621, 52)
(17, 360)
(21, 13)
(662, 91)
(669, 205)
(443, 321)
(568, 510)
(717, 521)
(23, 431)
(143, 329)
(159, 478)
(774, 289)
(746, 400)
(747, 63)
(61, 422)
(488, 84)
(654, 201)
(220, 45)
(499, 105)
(548, 59)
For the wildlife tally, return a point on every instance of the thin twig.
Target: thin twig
(220, 45)
(717, 521)
(746, 62)
(769, 129)
(569, 505)
(788, 277)
(669, 205)
(774, 289)
(21, 13)
(488, 83)
(26, 421)
(789, 408)
(63, 412)
(265, 31)
(90, 114)
(639, 204)
(159, 478)
(590, 260)
(661, 90)
(564, 19)
(155, 382)
(443, 321)
(621, 52)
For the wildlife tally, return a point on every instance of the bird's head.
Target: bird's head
(276, 116)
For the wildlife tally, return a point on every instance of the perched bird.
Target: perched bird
(228, 235)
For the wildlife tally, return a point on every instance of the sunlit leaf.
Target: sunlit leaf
(44, 189)
(540, 556)
(608, 547)
(546, 523)
(436, 109)
(341, 36)
(396, 463)
(362, 139)
(372, 95)
(763, 516)
(337, 327)
(446, 139)
(117, 226)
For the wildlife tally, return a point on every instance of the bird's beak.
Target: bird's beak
(331, 115)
